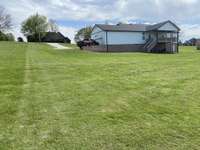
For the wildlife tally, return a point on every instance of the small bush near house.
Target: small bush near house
(20, 39)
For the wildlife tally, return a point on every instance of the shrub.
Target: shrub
(20, 39)
(6, 37)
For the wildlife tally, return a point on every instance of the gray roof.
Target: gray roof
(133, 27)
(123, 27)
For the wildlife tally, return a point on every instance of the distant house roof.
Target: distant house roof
(55, 37)
(134, 27)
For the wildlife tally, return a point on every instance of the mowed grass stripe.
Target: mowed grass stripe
(12, 67)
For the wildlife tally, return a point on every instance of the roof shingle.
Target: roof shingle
(132, 27)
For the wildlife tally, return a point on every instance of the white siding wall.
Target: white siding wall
(117, 38)
(168, 27)
(99, 36)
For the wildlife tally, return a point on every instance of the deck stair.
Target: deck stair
(150, 44)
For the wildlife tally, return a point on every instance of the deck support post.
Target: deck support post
(177, 42)
(106, 41)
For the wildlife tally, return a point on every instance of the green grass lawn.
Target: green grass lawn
(71, 99)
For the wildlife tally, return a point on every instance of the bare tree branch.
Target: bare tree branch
(5, 20)
(53, 27)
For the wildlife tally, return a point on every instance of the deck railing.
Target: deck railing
(167, 37)
(173, 39)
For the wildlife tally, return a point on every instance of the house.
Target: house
(191, 42)
(162, 37)
(51, 37)
(55, 37)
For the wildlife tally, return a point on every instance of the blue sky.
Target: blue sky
(71, 15)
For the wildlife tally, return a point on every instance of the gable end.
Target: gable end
(169, 26)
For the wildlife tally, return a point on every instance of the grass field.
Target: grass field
(70, 99)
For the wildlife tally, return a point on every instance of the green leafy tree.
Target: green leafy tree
(6, 37)
(35, 26)
(84, 33)
(10, 37)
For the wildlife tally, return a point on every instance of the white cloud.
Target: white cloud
(183, 12)
(16, 31)
(190, 31)
(69, 32)
(187, 1)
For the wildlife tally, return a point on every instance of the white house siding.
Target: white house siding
(119, 38)
(168, 27)
(99, 36)
(96, 30)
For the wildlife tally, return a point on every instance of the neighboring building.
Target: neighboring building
(55, 37)
(191, 42)
(51, 37)
(161, 37)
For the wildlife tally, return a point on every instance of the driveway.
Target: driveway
(58, 46)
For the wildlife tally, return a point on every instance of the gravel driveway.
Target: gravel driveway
(58, 46)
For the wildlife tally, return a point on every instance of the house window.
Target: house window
(168, 35)
(174, 35)
(143, 36)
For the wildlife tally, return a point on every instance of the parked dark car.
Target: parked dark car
(86, 42)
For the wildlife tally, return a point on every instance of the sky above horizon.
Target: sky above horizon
(71, 15)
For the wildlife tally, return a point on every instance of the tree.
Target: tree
(84, 33)
(53, 27)
(35, 26)
(5, 25)
(10, 37)
(6, 37)
(5, 20)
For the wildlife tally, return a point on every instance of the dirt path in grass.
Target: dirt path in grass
(58, 46)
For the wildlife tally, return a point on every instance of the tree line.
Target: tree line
(5, 25)
(34, 28)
